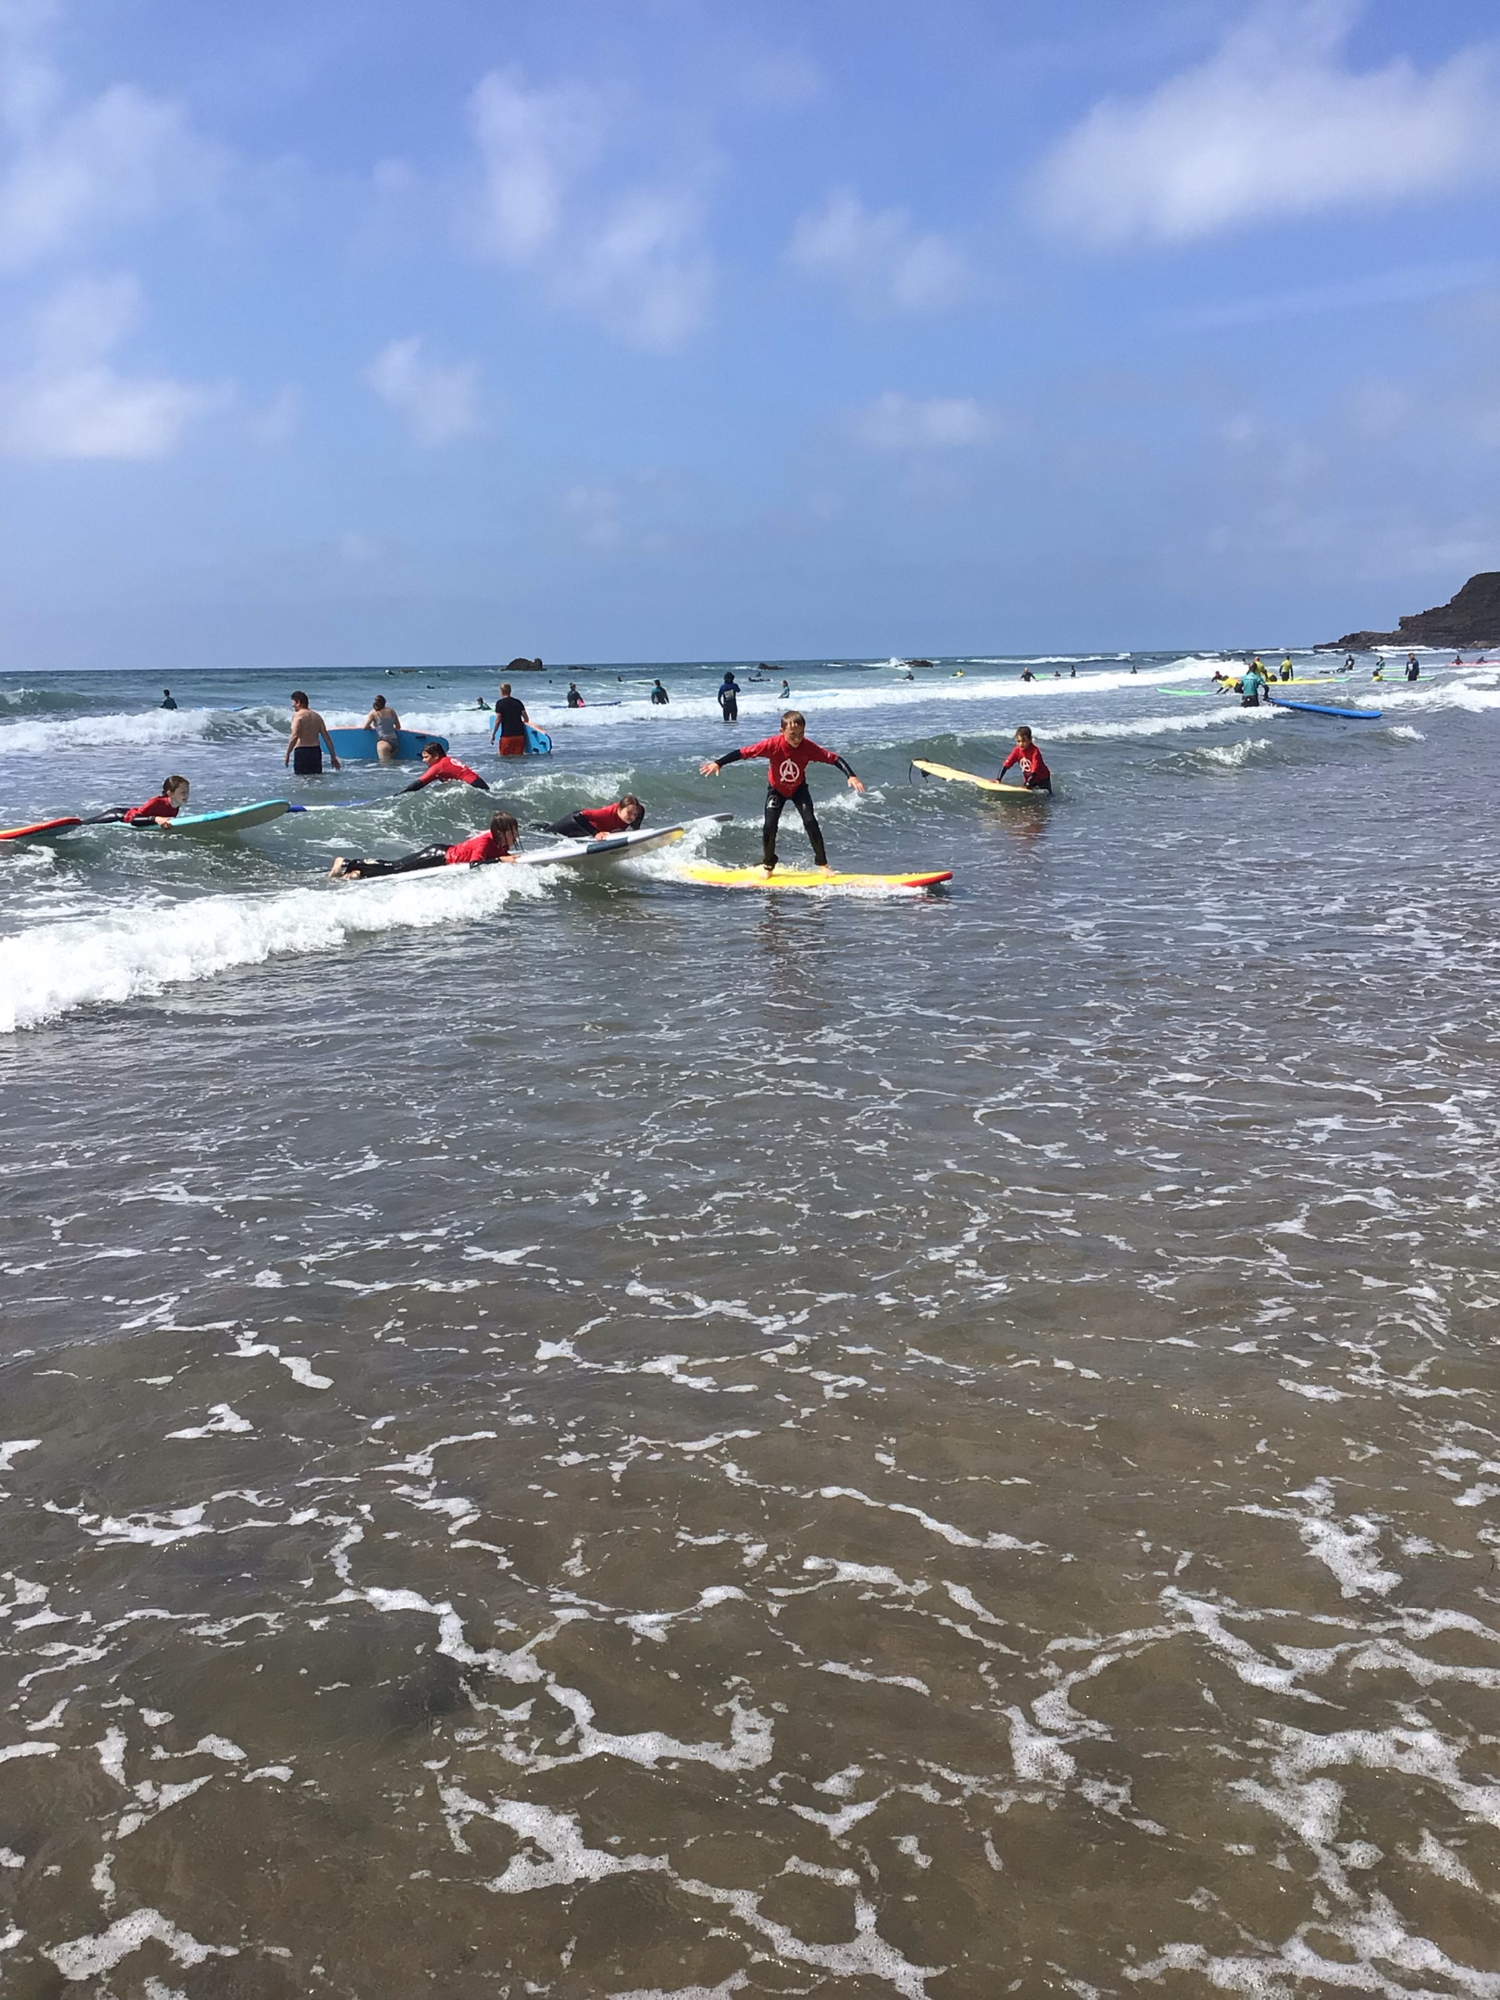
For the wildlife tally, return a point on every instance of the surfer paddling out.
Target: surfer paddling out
(599, 822)
(496, 843)
(788, 756)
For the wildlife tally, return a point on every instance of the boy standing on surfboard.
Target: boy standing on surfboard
(788, 756)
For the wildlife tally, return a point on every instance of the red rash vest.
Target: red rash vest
(448, 767)
(788, 765)
(483, 847)
(605, 819)
(161, 807)
(1033, 764)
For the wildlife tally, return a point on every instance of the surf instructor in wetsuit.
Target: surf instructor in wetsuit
(788, 756)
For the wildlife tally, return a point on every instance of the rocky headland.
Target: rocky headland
(1470, 618)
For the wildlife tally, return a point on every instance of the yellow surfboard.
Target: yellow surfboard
(972, 778)
(806, 878)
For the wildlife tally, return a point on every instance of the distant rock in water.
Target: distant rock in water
(523, 666)
(1471, 618)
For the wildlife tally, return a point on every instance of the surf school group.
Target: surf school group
(614, 825)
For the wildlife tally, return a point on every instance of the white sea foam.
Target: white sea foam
(165, 730)
(1233, 756)
(54, 969)
(88, 1957)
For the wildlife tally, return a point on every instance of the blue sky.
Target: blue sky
(662, 329)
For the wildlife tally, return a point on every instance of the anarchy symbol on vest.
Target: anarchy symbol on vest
(790, 772)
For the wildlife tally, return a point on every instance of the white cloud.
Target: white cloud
(1271, 125)
(120, 158)
(644, 270)
(635, 257)
(73, 403)
(881, 259)
(533, 145)
(894, 422)
(438, 404)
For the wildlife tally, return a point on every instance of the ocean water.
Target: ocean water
(600, 1437)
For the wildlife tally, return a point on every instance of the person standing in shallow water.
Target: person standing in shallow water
(508, 730)
(1034, 773)
(166, 699)
(788, 756)
(729, 697)
(386, 724)
(304, 747)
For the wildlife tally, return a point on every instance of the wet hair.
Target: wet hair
(505, 826)
(793, 715)
(298, 695)
(433, 750)
(630, 799)
(1024, 732)
(378, 702)
(171, 784)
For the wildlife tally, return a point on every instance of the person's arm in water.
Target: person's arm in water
(333, 755)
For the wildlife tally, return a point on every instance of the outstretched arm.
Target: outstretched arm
(712, 766)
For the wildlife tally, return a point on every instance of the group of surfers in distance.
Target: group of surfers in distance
(1255, 681)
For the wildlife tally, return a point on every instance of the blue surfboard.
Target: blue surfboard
(232, 820)
(1326, 708)
(359, 746)
(538, 743)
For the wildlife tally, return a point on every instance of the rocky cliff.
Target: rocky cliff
(1471, 618)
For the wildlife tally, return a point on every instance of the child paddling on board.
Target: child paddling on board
(441, 769)
(1034, 773)
(496, 843)
(599, 822)
(158, 811)
(788, 756)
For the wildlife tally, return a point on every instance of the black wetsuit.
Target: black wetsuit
(729, 701)
(435, 856)
(801, 797)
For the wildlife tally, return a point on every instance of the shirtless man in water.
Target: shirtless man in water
(304, 746)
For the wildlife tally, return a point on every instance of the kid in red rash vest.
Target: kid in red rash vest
(595, 822)
(160, 811)
(788, 755)
(1034, 772)
(440, 768)
(494, 844)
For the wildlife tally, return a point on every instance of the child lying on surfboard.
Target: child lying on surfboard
(496, 843)
(162, 809)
